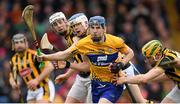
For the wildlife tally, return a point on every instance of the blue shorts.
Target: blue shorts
(105, 90)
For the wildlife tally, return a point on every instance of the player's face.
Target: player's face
(60, 26)
(97, 32)
(150, 60)
(20, 45)
(78, 29)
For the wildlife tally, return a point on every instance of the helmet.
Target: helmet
(18, 36)
(152, 48)
(97, 20)
(79, 18)
(55, 16)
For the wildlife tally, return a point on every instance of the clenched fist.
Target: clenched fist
(116, 66)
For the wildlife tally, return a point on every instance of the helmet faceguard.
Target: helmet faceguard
(55, 16)
(79, 18)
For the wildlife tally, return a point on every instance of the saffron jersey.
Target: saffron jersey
(100, 55)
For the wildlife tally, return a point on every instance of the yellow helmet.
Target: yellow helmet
(152, 48)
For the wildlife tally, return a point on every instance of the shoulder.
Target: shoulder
(164, 63)
(117, 41)
(31, 51)
(170, 54)
(86, 40)
(116, 38)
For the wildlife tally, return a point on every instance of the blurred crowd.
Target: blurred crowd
(137, 21)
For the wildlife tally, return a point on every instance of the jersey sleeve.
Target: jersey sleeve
(13, 70)
(38, 63)
(78, 48)
(120, 45)
(164, 64)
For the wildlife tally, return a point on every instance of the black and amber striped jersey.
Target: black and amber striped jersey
(171, 71)
(69, 39)
(27, 67)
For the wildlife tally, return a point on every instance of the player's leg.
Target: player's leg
(173, 96)
(88, 88)
(105, 92)
(104, 100)
(137, 93)
(77, 92)
(30, 97)
(43, 94)
(52, 91)
(134, 87)
(31, 101)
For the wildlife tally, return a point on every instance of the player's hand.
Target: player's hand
(115, 67)
(40, 58)
(61, 64)
(32, 84)
(122, 74)
(121, 79)
(13, 84)
(61, 78)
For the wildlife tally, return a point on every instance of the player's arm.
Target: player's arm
(137, 93)
(13, 77)
(141, 78)
(65, 76)
(128, 54)
(12, 82)
(121, 61)
(70, 72)
(58, 56)
(84, 66)
(47, 69)
(61, 55)
(162, 77)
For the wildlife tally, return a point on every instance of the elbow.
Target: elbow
(132, 54)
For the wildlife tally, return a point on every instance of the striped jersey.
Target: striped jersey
(27, 67)
(171, 71)
(69, 39)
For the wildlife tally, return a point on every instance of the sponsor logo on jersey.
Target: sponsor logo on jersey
(101, 58)
(25, 72)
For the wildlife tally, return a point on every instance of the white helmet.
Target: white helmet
(79, 18)
(55, 16)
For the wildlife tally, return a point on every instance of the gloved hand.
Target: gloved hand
(116, 66)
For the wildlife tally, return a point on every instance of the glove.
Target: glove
(115, 67)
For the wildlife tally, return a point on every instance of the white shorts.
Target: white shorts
(130, 71)
(38, 93)
(81, 89)
(174, 94)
